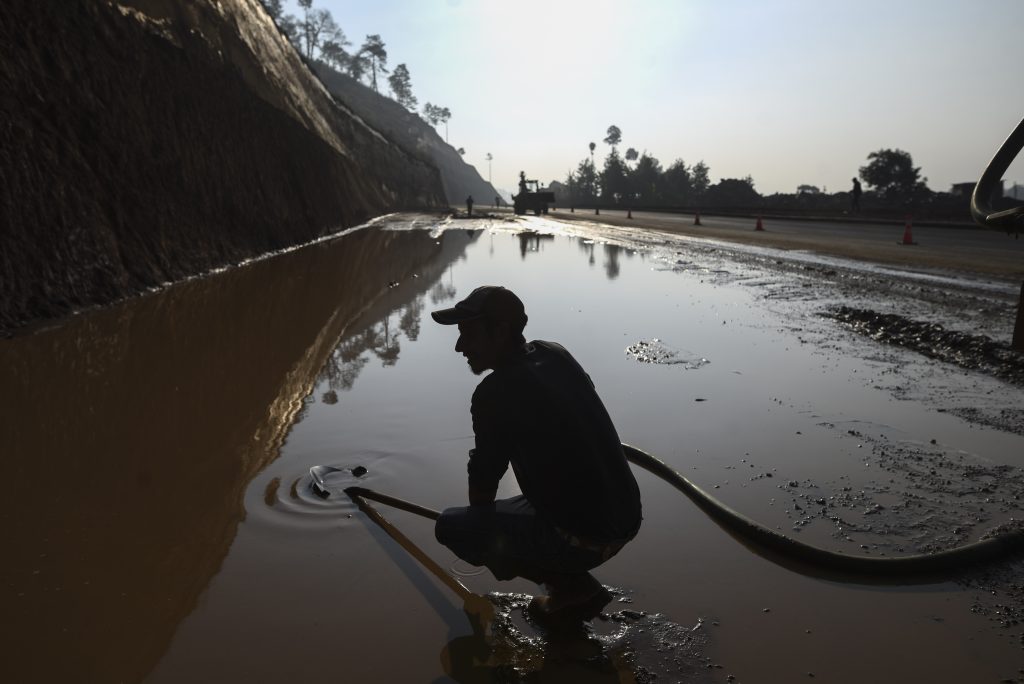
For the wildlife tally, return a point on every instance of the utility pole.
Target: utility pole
(489, 158)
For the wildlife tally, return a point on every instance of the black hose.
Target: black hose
(810, 560)
(790, 553)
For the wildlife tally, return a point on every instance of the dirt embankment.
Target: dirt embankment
(414, 134)
(145, 141)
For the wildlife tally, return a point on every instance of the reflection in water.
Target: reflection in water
(531, 242)
(400, 311)
(587, 247)
(134, 431)
(611, 264)
(507, 644)
(444, 290)
(623, 647)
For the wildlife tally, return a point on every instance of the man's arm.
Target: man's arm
(489, 460)
(481, 496)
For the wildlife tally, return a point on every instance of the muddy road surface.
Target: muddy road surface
(164, 529)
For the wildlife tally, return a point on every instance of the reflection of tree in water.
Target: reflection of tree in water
(611, 264)
(345, 362)
(381, 339)
(409, 323)
(442, 293)
(389, 348)
(587, 247)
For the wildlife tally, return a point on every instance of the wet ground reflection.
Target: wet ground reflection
(135, 431)
(161, 451)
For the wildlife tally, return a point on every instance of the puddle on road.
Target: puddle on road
(163, 448)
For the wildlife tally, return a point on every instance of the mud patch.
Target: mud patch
(975, 352)
(1005, 419)
(656, 351)
(918, 498)
(627, 645)
(999, 597)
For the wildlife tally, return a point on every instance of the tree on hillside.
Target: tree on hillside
(632, 154)
(614, 136)
(374, 50)
(592, 146)
(334, 54)
(461, 151)
(273, 8)
(289, 25)
(444, 114)
(432, 113)
(357, 65)
(892, 174)
(316, 27)
(401, 86)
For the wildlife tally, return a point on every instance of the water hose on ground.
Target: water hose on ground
(773, 546)
(812, 560)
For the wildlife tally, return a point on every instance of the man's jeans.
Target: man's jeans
(512, 540)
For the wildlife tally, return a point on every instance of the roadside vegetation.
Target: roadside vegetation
(318, 38)
(893, 187)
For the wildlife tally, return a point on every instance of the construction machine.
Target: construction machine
(531, 197)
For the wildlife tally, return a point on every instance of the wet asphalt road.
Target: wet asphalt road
(976, 250)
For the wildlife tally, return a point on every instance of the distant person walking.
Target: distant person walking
(855, 197)
(469, 206)
(497, 201)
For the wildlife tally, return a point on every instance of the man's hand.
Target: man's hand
(481, 496)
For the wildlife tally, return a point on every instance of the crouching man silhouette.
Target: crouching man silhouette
(538, 411)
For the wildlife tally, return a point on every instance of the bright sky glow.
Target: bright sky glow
(787, 91)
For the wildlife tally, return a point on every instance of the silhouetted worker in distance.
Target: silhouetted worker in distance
(497, 201)
(522, 183)
(469, 206)
(855, 197)
(538, 411)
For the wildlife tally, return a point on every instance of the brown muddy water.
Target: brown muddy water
(159, 524)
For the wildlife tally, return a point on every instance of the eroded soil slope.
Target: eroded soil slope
(143, 142)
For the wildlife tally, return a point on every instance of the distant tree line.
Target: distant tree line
(317, 37)
(637, 179)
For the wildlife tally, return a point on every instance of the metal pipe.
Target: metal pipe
(394, 502)
(359, 496)
(981, 198)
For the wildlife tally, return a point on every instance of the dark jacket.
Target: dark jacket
(542, 414)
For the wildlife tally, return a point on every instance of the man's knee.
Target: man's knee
(452, 526)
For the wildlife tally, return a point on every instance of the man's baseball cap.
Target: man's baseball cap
(487, 301)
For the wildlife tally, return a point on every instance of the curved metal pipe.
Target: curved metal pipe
(981, 198)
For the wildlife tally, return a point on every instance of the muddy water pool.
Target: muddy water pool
(164, 530)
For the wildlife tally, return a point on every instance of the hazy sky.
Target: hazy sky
(787, 91)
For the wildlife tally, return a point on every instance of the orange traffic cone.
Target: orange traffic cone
(759, 226)
(629, 213)
(908, 237)
(696, 219)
